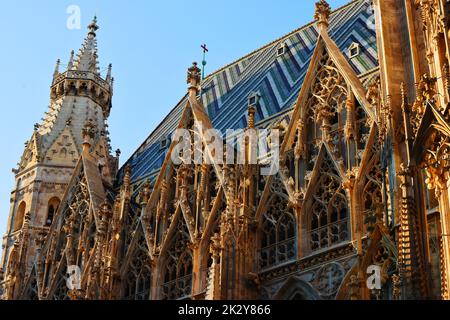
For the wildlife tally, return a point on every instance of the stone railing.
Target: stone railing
(82, 75)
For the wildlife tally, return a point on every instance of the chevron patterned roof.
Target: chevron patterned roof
(277, 79)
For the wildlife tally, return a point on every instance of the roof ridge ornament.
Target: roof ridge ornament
(322, 14)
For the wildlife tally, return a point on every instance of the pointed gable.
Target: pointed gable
(63, 150)
(277, 78)
(328, 73)
(324, 165)
(84, 193)
(31, 155)
(77, 215)
(94, 181)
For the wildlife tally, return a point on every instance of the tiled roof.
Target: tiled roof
(277, 79)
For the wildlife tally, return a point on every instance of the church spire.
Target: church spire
(87, 56)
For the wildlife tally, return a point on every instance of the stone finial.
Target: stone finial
(145, 192)
(373, 93)
(70, 65)
(215, 246)
(322, 14)
(193, 76)
(56, 72)
(251, 117)
(109, 75)
(118, 153)
(105, 210)
(93, 27)
(127, 176)
(426, 87)
(88, 132)
(105, 213)
(396, 290)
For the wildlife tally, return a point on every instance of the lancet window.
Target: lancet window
(278, 241)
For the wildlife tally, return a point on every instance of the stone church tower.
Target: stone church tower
(80, 103)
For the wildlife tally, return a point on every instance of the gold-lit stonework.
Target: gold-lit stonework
(363, 182)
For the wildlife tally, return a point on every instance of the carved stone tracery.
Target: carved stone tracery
(329, 216)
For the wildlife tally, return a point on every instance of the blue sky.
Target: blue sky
(149, 43)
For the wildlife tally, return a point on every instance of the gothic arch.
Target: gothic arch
(59, 289)
(31, 290)
(63, 153)
(20, 215)
(371, 195)
(177, 268)
(295, 288)
(327, 210)
(138, 274)
(52, 207)
(278, 232)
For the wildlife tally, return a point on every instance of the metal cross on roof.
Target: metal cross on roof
(205, 50)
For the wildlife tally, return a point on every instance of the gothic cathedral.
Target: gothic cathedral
(361, 101)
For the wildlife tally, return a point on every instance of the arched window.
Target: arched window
(178, 275)
(138, 282)
(52, 207)
(278, 241)
(63, 153)
(372, 197)
(20, 214)
(329, 210)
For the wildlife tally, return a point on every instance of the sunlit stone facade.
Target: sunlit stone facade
(360, 98)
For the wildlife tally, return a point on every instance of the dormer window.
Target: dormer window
(353, 50)
(253, 99)
(281, 49)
